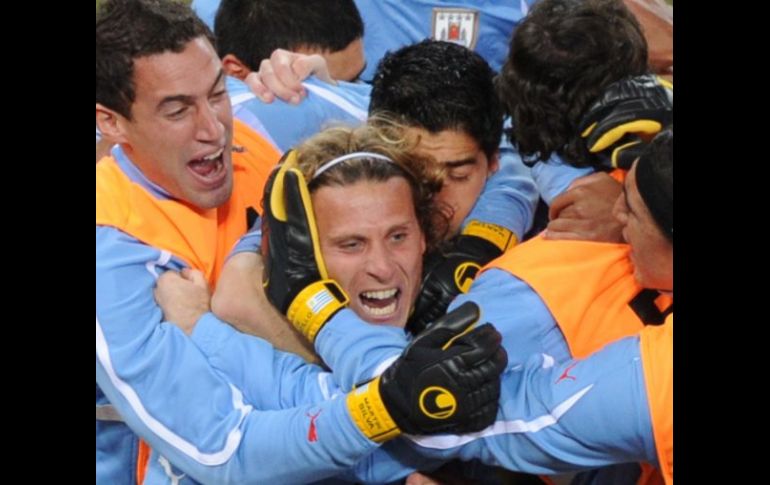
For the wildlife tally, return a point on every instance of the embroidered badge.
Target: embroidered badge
(458, 25)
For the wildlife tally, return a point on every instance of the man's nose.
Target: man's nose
(380, 263)
(209, 127)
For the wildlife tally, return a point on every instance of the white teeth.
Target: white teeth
(379, 294)
(214, 156)
(377, 312)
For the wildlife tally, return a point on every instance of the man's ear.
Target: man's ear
(110, 123)
(494, 163)
(234, 67)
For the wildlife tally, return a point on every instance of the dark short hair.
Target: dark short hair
(562, 56)
(655, 180)
(129, 29)
(252, 29)
(440, 86)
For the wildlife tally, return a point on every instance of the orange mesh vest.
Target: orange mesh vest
(590, 290)
(588, 287)
(657, 348)
(201, 237)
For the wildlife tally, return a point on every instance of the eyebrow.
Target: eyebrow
(459, 163)
(402, 226)
(185, 98)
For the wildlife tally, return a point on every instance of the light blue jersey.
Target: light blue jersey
(286, 427)
(553, 177)
(549, 409)
(206, 10)
(554, 418)
(287, 125)
(486, 26)
(509, 197)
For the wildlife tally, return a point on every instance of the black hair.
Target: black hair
(562, 56)
(655, 180)
(440, 86)
(252, 29)
(129, 29)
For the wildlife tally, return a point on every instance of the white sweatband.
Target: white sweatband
(326, 166)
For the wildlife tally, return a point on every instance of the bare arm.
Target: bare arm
(240, 301)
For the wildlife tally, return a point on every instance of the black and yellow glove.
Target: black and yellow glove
(450, 269)
(628, 113)
(446, 381)
(295, 277)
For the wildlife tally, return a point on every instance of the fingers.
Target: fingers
(587, 179)
(560, 203)
(277, 76)
(444, 331)
(571, 228)
(254, 81)
(478, 346)
(194, 276)
(304, 66)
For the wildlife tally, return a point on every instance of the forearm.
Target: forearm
(268, 378)
(509, 197)
(564, 417)
(165, 389)
(240, 300)
(356, 351)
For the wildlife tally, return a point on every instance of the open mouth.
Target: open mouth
(380, 303)
(209, 170)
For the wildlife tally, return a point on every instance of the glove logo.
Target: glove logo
(437, 403)
(465, 274)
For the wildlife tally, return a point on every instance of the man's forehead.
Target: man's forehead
(168, 73)
(391, 200)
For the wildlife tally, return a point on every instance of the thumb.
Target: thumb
(313, 64)
(300, 217)
(194, 276)
(451, 326)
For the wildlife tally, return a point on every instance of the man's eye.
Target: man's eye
(459, 177)
(219, 95)
(177, 113)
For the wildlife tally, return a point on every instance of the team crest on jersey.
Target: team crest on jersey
(458, 25)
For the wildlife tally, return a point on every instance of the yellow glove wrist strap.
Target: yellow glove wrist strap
(369, 413)
(497, 235)
(314, 305)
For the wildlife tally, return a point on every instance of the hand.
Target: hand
(446, 381)
(628, 112)
(451, 269)
(183, 297)
(295, 278)
(283, 73)
(584, 211)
